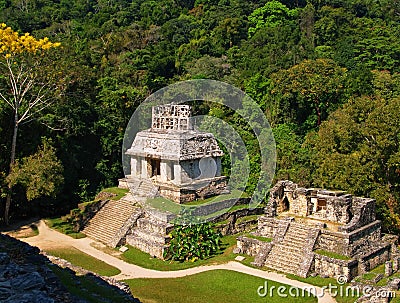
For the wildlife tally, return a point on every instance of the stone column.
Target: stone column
(177, 173)
(144, 168)
(170, 170)
(134, 168)
(163, 171)
(388, 268)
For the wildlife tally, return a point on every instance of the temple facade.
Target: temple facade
(182, 163)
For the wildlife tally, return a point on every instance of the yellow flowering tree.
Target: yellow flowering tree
(25, 87)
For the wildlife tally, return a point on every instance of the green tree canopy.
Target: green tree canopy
(272, 14)
(358, 149)
(40, 174)
(308, 91)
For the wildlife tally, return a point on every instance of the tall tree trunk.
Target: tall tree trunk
(318, 112)
(12, 161)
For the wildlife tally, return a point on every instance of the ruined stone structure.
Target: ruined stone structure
(304, 226)
(183, 164)
(171, 159)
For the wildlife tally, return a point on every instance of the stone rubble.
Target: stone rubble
(26, 277)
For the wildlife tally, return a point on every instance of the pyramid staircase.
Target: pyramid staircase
(293, 254)
(111, 223)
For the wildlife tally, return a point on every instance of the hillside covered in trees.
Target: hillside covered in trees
(326, 74)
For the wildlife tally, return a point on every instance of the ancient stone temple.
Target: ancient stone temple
(309, 230)
(171, 159)
(182, 163)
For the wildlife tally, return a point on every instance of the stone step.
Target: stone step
(297, 238)
(289, 254)
(290, 243)
(285, 269)
(293, 242)
(282, 264)
(100, 223)
(285, 260)
(294, 258)
(282, 247)
(285, 255)
(109, 220)
(298, 230)
(106, 230)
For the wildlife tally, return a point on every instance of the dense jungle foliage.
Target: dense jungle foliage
(326, 74)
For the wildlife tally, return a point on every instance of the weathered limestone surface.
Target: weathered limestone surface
(183, 163)
(330, 267)
(150, 235)
(335, 206)
(350, 244)
(112, 221)
(292, 249)
(336, 222)
(252, 247)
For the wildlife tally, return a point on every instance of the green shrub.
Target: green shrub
(193, 242)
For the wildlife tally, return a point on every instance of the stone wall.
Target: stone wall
(328, 205)
(232, 226)
(332, 241)
(267, 227)
(330, 267)
(326, 266)
(374, 258)
(363, 212)
(352, 243)
(337, 209)
(209, 209)
(252, 247)
(199, 189)
(299, 201)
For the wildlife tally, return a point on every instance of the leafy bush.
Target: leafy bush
(193, 242)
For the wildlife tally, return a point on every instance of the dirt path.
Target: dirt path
(49, 238)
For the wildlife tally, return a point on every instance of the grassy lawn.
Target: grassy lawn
(213, 286)
(85, 288)
(135, 256)
(120, 192)
(318, 281)
(85, 261)
(263, 239)
(64, 227)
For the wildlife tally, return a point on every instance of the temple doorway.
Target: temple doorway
(153, 167)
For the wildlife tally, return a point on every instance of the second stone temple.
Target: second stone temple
(182, 163)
